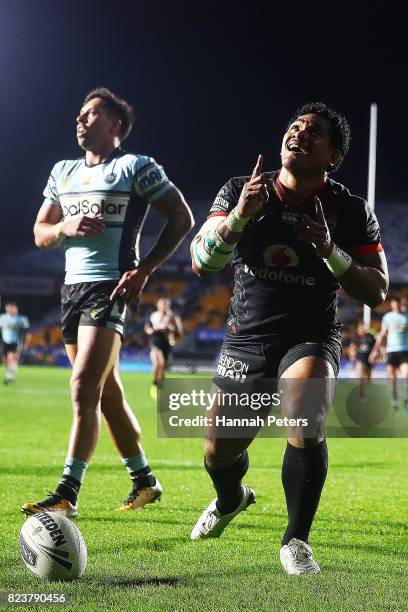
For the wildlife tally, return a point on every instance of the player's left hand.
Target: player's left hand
(316, 232)
(130, 285)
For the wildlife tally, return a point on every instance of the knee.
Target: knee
(85, 392)
(218, 455)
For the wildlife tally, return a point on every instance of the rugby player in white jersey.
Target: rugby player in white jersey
(394, 331)
(96, 206)
(293, 236)
(15, 336)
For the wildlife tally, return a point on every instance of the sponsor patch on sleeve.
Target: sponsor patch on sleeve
(149, 179)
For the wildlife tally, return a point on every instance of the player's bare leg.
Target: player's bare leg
(308, 387)
(92, 358)
(404, 376)
(392, 373)
(125, 432)
(364, 373)
(11, 362)
(159, 367)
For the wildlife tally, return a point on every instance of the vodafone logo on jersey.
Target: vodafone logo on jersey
(280, 255)
(111, 208)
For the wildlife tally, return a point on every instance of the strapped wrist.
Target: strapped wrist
(235, 221)
(338, 261)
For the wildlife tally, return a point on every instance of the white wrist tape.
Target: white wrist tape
(338, 261)
(236, 222)
(211, 252)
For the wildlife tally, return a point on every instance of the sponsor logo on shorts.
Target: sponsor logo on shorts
(149, 180)
(230, 367)
(111, 208)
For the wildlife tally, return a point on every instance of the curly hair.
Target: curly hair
(340, 132)
(116, 106)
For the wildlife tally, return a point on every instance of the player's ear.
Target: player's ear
(335, 156)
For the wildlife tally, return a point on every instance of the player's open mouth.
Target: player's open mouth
(295, 148)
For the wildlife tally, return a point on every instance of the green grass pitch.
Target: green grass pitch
(145, 560)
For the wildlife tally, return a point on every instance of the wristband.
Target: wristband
(338, 261)
(236, 222)
(212, 253)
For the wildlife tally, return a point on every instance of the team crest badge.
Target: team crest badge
(110, 178)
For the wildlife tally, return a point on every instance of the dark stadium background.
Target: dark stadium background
(213, 85)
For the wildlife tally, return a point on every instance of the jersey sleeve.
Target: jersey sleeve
(385, 322)
(227, 198)
(25, 323)
(151, 181)
(51, 192)
(362, 235)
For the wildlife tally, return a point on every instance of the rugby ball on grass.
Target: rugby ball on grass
(52, 547)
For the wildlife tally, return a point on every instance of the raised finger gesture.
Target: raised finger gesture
(254, 193)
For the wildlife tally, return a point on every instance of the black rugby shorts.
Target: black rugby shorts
(89, 304)
(397, 358)
(247, 362)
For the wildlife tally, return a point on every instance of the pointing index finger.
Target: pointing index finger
(257, 171)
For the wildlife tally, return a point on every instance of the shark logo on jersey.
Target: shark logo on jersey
(110, 178)
(280, 255)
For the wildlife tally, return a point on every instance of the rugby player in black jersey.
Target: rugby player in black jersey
(293, 237)
(361, 347)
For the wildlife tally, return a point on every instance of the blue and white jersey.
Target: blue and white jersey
(397, 327)
(13, 328)
(120, 191)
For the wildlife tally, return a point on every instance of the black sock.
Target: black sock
(142, 478)
(227, 482)
(68, 488)
(304, 471)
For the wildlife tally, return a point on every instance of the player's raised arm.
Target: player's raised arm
(364, 277)
(212, 248)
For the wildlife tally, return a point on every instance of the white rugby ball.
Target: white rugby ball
(52, 547)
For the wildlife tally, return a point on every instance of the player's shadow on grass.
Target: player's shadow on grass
(363, 548)
(360, 465)
(156, 545)
(137, 582)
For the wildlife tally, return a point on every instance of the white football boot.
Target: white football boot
(297, 558)
(211, 523)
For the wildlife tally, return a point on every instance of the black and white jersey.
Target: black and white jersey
(281, 284)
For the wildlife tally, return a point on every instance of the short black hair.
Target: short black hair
(340, 132)
(118, 107)
(395, 298)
